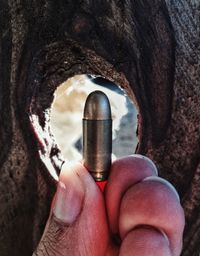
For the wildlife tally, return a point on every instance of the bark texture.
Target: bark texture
(149, 47)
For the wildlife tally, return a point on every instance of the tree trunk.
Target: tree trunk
(151, 48)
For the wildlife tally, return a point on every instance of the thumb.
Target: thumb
(77, 224)
(65, 210)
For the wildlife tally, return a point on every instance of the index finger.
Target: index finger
(125, 172)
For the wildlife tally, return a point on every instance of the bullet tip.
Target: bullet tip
(97, 106)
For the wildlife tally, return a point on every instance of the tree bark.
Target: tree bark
(150, 48)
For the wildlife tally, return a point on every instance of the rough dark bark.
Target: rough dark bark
(149, 47)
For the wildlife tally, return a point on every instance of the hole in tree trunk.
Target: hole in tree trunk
(51, 66)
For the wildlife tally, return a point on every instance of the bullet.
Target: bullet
(97, 135)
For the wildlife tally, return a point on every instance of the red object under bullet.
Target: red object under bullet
(101, 185)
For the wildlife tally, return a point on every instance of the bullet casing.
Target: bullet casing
(97, 147)
(97, 135)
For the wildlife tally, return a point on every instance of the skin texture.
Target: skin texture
(138, 214)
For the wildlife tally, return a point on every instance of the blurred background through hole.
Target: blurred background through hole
(67, 113)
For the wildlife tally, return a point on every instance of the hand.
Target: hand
(139, 213)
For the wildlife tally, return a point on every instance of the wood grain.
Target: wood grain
(151, 48)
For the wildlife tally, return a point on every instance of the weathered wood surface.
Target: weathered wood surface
(151, 48)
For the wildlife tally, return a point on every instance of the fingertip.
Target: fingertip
(145, 241)
(78, 169)
(137, 163)
(148, 161)
(165, 182)
(71, 168)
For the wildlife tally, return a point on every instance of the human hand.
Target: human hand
(138, 214)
